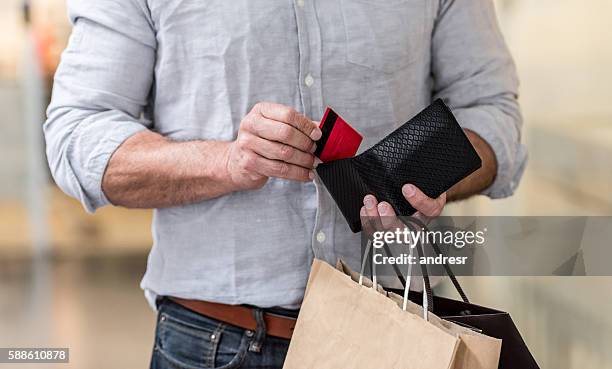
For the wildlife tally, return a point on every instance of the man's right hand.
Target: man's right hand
(152, 171)
(273, 141)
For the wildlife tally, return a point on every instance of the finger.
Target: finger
(368, 227)
(388, 218)
(290, 116)
(371, 212)
(280, 169)
(421, 217)
(368, 223)
(278, 151)
(423, 203)
(280, 132)
(371, 205)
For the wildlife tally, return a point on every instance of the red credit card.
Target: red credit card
(339, 140)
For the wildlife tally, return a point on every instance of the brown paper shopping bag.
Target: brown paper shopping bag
(475, 350)
(346, 325)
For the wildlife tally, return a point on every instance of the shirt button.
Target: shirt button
(309, 81)
(321, 237)
(300, 3)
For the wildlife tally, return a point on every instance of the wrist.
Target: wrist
(225, 169)
(488, 171)
(217, 174)
(480, 179)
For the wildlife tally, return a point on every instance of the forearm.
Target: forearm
(150, 171)
(480, 179)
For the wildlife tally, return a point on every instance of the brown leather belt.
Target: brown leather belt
(240, 316)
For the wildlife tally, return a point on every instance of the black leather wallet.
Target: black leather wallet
(430, 151)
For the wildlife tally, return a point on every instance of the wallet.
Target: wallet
(430, 151)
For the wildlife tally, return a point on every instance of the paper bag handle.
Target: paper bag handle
(427, 285)
(363, 265)
(406, 283)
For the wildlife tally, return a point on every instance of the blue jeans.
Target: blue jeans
(187, 340)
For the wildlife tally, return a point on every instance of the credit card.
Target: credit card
(339, 140)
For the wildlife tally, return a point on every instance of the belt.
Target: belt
(240, 316)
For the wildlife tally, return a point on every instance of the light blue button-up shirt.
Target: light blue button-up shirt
(191, 70)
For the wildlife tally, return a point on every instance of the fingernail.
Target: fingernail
(316, 134)
(369, 202)
(316, 162)
(409, 190)
(384, 209)
(311, 175)
(362, 212)
(314, 148)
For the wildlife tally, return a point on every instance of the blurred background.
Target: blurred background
(68, 279)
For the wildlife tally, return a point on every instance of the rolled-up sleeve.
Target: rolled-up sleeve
(474, 73)
(100, 91)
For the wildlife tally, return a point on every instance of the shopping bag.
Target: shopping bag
(475, 350)
(346, 324)
(494, 323)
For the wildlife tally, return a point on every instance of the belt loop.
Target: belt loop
(260, 331)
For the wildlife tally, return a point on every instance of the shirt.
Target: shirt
(191, 70)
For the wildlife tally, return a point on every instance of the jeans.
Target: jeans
(187, 340)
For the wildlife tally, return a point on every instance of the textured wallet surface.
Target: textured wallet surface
(430, 151)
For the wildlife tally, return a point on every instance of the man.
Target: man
(204, 111)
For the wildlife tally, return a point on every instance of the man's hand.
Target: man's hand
(273, 141)
(426, 207)
(151, 171)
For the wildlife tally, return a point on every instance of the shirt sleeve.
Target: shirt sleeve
(100, 91)
(474, 73)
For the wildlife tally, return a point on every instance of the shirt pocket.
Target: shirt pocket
(384, 35)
